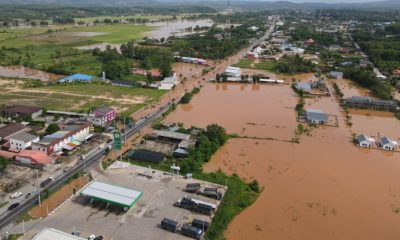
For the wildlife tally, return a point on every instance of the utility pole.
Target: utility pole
(37, 185)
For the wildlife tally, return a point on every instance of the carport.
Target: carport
(111, 194)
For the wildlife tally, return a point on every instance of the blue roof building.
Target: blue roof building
(78, 77)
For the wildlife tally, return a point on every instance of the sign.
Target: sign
(117, 140)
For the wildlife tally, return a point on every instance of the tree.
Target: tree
(52, 128)
(3, 164)
(216, 134)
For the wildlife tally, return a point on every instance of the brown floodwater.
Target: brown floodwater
(322, 188)
(24, 72)
(176, 28)
(350, 89)
(264, 111)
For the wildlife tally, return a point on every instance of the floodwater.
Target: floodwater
(375, 123)
(29, 73)
(176, 28)
(323, 187)
(263, 111)
(350, 89)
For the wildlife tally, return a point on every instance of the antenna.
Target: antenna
(228, 21)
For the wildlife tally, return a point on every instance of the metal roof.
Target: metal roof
(52, 234)
(112, 194)
(174, 135)
(316, 115)
(306, 87)
(24, 136)
(386, 140)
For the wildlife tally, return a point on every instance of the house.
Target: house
(320, 84)
(22, 111)
(387, 144)
(104, 115)
(78, 77)
(183, 148)
(233, 71)
(22, 141)
(252, 55)
(316, 116)
(67, 138)
(336, 74)
(370, 103)
(309, 42)
(305, 87)
(34, 158)
(363, 140)
(174, 137)
(194, 60)
(168, 83)
(11, 129)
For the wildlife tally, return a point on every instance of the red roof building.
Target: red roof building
(34, 157)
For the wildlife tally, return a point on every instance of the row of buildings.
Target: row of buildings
(371, 103)
(384, 143)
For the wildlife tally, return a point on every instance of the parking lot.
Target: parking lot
(142, 221)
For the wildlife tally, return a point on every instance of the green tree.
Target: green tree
(52, 128)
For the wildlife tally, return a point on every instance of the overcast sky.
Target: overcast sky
(332, 1)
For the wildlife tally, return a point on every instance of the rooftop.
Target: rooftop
(113, 194)
(22, 109)
(11, 129)
(52, 234)
(36, 155)
(316, 115)
(174, 135)
(24, 136)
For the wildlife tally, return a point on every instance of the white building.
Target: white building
(363, 140)
(22, 141)
(233, 71)
(387, 144)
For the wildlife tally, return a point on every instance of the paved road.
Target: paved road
(89, 159)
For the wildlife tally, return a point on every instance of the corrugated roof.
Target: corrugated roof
(22, 109)
(11, 129)
(53, 234)
(24, 136)
(174, 135)
(112, 194)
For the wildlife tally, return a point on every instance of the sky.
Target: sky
(332, 1)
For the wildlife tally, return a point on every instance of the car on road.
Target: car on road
(16, 195)
(76, 233)
(99, 238)
(102, 146)
(28, 195)
(13, 206)
(92, 237)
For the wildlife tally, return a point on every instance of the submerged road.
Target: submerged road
(89, 159)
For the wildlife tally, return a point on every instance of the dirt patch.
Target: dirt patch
(58, 198)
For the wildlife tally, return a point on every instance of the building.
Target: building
(305, 87)
(34, 158)
(10, 130)
(68, 138)
(370, 103)
(194, 60)
(146, 155)
(53, 234)
(111, 194)
(170, 136)
(336, 75)
(22, 111)
(78, 77)
(316, 116)
(233, 71)
(105, 115)
(320, 84)
(363, 140)
(168, 83)
(22, 141)
(387, 144)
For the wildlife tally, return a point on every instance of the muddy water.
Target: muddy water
(350, 89)
(374, 123)
(176, 28)
(265, 111)
(24, 72)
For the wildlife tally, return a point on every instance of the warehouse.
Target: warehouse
(111, 194)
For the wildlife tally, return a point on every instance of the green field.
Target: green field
(149, 17)
(115, 33)
(262, 65)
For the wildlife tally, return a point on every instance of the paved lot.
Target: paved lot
(141, 221)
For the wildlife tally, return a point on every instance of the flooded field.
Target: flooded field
(321, 188)
(176, 28)
(29, 73)
(374, 123)
(264, 111)
(350, 89)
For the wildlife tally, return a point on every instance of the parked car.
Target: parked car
(13, 206)
(16, 195)
(92, 237)
(169, 225)
(99, 238)
(76, 233)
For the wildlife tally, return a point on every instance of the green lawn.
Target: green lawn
(262, 65)
(115, 33)
(97, 89)
(150, 17)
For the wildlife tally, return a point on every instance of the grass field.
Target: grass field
(81, 97)
(150, 17)
(262, 65)
(115, 33)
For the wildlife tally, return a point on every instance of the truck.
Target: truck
(195, 205)
(192, 187)
(190, 231)
(46, 182)
(169, 225)
(211, 193)
(200, 224)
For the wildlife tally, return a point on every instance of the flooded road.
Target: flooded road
(29, 73)
(177, 28)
